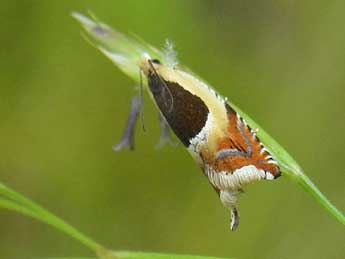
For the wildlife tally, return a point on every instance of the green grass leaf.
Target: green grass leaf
(144, 255)
(12, 200)
(147, 255)
(141, 255)
(125, 51)
(69, 258)
(292, 170)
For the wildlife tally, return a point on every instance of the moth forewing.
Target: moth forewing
(220, 141)
(196, 89)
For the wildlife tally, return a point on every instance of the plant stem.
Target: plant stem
(311, 188)
(17, 202)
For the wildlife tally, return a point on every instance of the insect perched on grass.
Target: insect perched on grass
(220, 141)
(230, 148)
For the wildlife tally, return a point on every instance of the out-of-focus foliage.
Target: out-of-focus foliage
(63, 106)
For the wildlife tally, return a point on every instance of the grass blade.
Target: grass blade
(69, 258)
(142, 255)
(17, 202)
(292, 170)
(125, 52)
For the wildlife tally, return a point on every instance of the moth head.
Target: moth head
(148, 65)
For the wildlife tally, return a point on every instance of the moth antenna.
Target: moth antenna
(142, 119)
(164, 84)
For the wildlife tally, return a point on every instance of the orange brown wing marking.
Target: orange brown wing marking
(241, 147)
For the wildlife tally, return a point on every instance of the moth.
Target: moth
(227, 149)
(224, 146)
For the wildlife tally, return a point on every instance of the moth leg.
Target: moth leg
(235, 219)
(127, 139)
(229, 199)
(165, 135)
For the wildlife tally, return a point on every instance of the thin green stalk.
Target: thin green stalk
(141, 255)
(10, 205)
(125, 51)
(17, 202)
(311, 188)
(293, 171)
(69, 258)
(14, 201)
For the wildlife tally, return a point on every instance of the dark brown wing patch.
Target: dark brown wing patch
(185, 112)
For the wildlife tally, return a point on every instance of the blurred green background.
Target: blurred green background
(63, 105)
